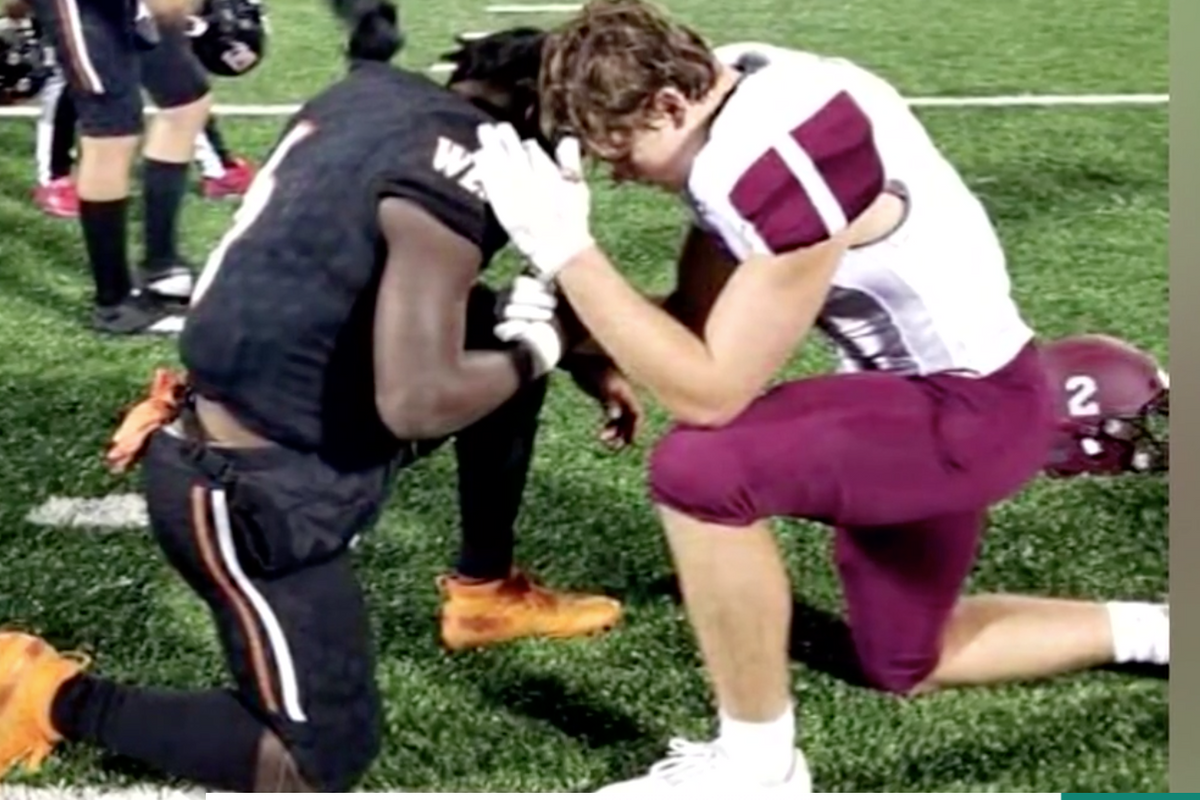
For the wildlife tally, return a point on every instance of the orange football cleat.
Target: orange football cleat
(482, 614)
(160, 408)
(31, 672)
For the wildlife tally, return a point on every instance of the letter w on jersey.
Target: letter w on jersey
(458, 164)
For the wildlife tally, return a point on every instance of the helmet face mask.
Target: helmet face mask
(229, 37)
(1114, 408)
(1112, 445)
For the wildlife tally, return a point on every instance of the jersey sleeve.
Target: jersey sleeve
(802, 183)
(438, 174)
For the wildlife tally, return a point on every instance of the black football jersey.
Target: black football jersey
(280, 330)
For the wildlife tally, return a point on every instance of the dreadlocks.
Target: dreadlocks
(499, 73)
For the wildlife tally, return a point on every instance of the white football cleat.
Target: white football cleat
(695, 769)
(171, 283)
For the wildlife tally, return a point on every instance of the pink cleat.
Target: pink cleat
(234, 183)
(58, 198)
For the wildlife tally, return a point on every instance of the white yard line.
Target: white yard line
(1016, 100)
(983, 101)
(534, 8)
(97, 793)
(113, 512)
(154, 793)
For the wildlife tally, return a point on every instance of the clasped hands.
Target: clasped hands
(544, 203)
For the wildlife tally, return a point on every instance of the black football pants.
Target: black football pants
(262, 537)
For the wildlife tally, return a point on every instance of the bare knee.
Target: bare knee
(346, 767)
(105, 164)
(898, 679)
(897, 670)
(172, 135)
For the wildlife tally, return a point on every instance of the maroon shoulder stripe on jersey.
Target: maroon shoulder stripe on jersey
(770, 197)
(841, 143)
(839, 140)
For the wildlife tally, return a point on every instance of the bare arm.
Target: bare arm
(702, 271)
(761, 315)
(709, 368)
(427, 384)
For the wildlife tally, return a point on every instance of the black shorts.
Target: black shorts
(263, 536)
(106, 70)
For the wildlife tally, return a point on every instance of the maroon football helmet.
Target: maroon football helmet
(1113, 398)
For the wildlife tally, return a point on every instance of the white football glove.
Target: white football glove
(544, 204)
(528, 317)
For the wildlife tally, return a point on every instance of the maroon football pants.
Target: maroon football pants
(904, 469)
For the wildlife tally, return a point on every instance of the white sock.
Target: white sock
(208, 160)
(1141, 632)
(765, 750)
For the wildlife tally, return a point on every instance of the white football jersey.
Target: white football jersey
(801, 148)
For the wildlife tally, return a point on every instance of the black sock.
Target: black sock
(104, 228)
(62, 140)
(208, 738)
(493, 462)
(217, 142)
(493, 458)
(164, 185)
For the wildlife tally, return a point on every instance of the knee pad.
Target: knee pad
(334, 755)
(896, 673)
(695, 472)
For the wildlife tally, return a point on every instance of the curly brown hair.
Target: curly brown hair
(602, 70)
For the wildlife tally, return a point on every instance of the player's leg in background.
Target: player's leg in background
(914, 633)
(208, 159)
(55, 192)
(1004, 638)
(223, 174)
(303, 713)
(179, 87)
(486, 600)
(100, 66)
(63, 145)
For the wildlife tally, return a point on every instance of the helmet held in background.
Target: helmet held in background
(229, 37)
(1113, 407)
